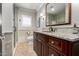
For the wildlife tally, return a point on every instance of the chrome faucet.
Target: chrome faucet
(52, 29)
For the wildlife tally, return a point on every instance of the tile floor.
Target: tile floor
(23, 49)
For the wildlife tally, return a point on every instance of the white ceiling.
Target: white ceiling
(57, 6)
(34, 6)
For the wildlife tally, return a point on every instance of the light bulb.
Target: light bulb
(52, 9)
(41, 14)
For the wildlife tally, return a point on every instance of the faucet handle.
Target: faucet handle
(50, 28)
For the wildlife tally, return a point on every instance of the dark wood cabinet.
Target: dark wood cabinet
(37, 45)
(45, 45)
(52, 52)
(40, 44)
(45, 50)
(55, 42)
(39, 50)
(0, 47)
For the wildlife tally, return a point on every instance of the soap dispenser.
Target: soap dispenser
(75, 29)
(75, 26)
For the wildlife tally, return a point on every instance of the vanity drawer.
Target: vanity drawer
(52, 52)
(54, 42)
(43, 38)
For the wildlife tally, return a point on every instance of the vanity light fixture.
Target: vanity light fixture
(0, 21)
(41, 14)
(52, 8)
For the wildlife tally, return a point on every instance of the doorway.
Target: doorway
(24, 26)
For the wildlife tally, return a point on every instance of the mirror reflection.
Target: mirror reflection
(57, 14)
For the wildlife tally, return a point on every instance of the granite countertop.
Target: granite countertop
(65, 36)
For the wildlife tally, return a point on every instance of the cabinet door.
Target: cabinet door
(35, 42)
(53, 52)
(45, 50)
(35, 45)
(39, 48)
(0, 47)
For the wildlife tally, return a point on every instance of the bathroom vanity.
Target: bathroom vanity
(54, 44)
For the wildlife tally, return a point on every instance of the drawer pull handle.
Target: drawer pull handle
(52, 42)
(52, 54)
(40, 40)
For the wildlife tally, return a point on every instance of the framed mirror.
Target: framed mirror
(58, 14)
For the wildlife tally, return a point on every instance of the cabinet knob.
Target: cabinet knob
(40, 40)
(52, 54)
(52, 42)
